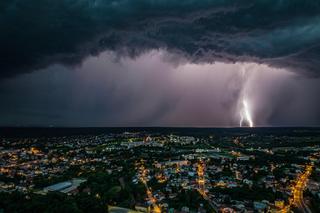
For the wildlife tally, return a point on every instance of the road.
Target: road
(153, 200)
(201, 186)
(212, 203)
(297, 191)
(299, 188)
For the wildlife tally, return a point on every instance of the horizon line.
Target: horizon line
(194, 127)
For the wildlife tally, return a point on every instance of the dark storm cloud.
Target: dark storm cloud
(37, 33)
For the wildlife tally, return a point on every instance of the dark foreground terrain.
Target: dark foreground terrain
(159, 169)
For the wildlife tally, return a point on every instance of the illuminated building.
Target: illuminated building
(279, 204)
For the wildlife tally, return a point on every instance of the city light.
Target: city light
(162, 182)
(201, 179)
(297, 190)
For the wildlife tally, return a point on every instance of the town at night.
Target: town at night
(162, 170)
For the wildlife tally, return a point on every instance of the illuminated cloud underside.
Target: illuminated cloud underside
(154, 89)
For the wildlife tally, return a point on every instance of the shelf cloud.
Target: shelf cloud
(36, 34)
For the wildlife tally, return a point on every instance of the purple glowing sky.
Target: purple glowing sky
(158, 89)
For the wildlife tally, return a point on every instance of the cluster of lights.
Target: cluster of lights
(298, 189)
(143, 179)
(201, 180)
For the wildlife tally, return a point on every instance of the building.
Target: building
(67, 187)
(58, 186)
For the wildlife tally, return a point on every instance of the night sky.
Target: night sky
(159, 62)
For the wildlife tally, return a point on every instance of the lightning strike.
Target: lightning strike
(245, 114)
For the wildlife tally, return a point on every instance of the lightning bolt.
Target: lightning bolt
(245, 114)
